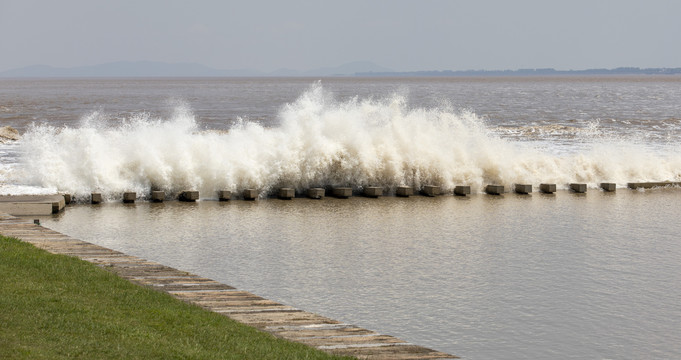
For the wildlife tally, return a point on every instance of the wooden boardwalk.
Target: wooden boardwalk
(280, 320)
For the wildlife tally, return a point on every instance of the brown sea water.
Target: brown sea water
(567, 275)
(114, 135)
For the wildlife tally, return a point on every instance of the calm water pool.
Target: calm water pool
(594, 275)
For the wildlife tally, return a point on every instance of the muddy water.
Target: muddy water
(593, 275)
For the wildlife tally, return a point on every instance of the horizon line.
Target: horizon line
(362, 69)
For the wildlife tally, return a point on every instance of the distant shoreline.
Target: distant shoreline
(148, 69)
(525, 72)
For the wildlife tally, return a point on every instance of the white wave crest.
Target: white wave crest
(319, 142)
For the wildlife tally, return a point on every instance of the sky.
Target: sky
(304, 35)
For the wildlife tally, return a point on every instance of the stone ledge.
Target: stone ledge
(23, 205)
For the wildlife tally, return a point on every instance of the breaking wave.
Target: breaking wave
(319, 142)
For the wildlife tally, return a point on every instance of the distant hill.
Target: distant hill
(161, 69)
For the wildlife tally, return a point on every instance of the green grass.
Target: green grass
(60, 307)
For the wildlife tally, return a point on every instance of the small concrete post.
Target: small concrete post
(342, 192)
(578, 188)
(609, 187)
(67, 199)
(462, 190)
(315, 193)
(189, 195)
(494, 189)
(250, 194)
(373, 191)
(129, 197)
(224, 195)
(287, 193)
(95, 198)
(158, 196)
(523, 188)
(404, 191)
(547, 188)
(430, 190)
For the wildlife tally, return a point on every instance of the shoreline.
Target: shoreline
(277, 319)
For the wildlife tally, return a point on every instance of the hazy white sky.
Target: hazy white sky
(302, 35)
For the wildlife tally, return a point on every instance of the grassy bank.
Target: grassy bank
(55, 306)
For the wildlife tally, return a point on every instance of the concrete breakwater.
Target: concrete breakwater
(48, 204)
(278, 319)
(287, 193)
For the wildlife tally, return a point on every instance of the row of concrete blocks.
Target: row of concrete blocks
(346, 192)
(518, 188)
(223, 195)
(130, 196)
(546, 188)
(578, 188)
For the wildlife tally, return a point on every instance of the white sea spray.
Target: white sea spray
(320, 142)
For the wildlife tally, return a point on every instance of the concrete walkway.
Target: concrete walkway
(281, 320)
(31, 204)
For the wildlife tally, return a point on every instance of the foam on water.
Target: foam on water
(320, 141)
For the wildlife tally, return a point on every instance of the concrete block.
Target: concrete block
(547, 188)
(287, 193)
(523, 188)
(189, 195)
(342, 192)
(250, 194)
(96, 198)
(224, 195)
(494, 189)
(462, 190)
(129, 197)
(67, 199)
(404, 191)
(373, 191)
(430, 190)
(609, 187)
(158, 196)
(578, 188)
(316, 193)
